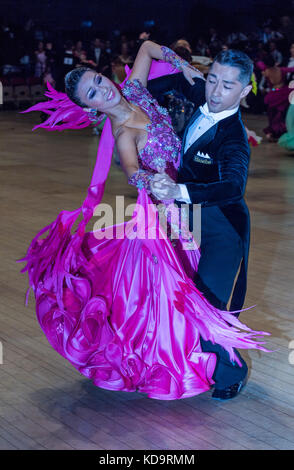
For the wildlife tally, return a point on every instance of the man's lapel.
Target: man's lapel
(207, 137)
(192, 120)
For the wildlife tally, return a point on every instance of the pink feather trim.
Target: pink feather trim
(63, 113)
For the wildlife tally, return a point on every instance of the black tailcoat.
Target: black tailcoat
(220, 180)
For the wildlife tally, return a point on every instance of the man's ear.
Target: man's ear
(245, 91)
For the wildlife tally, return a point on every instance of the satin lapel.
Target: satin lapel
(207, 137)
(192, 120)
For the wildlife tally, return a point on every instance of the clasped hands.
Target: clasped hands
(163, 187)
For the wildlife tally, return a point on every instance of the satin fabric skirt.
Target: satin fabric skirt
(123, 311)
(277, 103)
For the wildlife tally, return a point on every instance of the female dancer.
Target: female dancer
(119, 302)
(276, 99)
(287, 140)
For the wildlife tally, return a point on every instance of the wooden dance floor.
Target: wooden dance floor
(45, 402)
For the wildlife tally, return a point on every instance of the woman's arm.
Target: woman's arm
(128, 155)
(150, 50)
(287, 69)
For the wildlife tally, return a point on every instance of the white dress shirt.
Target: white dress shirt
(205, 121)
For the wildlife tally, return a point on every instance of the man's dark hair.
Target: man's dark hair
(71, 81)
(239, 59)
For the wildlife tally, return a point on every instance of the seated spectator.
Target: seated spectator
(276, 99)
(183, 52)
(40, 58)
(48, 77)
(84, 62)
(183, 43)
(201, 47)
(78, 50)
(117, 70)
(290, 63)
(125, 56)
(287, 29)
(95, 50)
(69, 61)
(235, 38)
(276, 55)
(25, 61)
(268, 34)
(100, 56)
(51, 58)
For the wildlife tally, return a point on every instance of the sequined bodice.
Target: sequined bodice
(162, 149)
(161, 153)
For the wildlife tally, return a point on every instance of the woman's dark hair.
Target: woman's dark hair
(238, 59)
(71, 81)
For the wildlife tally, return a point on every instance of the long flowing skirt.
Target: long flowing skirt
(277, 102)
(287, 140)
(123, 311)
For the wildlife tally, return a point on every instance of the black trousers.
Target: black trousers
(221, 254)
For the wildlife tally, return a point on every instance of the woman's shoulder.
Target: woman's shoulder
(123, 135)
(133, 88)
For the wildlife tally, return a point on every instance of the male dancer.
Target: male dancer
(213, 172)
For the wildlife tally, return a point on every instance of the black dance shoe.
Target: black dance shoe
(229, 392)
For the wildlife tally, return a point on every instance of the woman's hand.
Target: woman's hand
(190, 72)
(163, 187)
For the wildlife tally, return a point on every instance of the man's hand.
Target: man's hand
(145, 36)
(190, 72)
(163, 187)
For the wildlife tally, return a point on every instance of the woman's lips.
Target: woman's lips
(110, 95)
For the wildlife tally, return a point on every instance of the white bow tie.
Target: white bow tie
(207, 114)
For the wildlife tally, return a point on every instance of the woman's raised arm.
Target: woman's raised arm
(150, 50)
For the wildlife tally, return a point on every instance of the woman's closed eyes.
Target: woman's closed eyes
(92, 92)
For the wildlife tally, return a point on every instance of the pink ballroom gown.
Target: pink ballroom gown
(123, 310)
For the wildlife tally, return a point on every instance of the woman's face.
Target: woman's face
(98, 92)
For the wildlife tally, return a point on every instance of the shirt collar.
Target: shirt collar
(222, 115)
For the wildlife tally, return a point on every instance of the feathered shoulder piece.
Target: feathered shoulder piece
(63, 113)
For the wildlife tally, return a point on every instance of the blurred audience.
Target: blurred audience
(29, 52)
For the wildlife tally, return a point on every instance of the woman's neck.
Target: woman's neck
(120, 113)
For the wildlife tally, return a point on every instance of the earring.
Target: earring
(93, 115)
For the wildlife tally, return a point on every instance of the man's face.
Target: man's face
(223, 90)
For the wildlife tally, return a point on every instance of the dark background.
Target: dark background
(172, 17)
